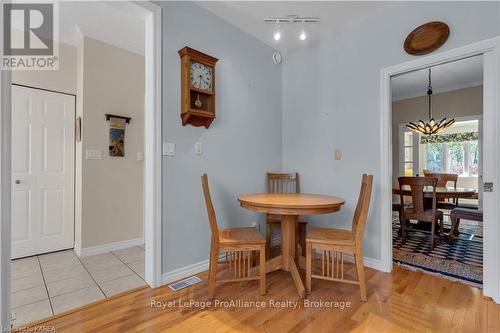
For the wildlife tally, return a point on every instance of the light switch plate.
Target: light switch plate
(198, 148)
(140, 156)
(93, 154)
(168, 149)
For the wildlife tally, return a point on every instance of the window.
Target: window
(454, 151)
(408, 154)
(473, 158)
(434, 155)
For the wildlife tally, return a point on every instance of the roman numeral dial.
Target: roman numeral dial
(201, 76)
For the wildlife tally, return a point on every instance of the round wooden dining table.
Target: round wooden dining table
(290, 206)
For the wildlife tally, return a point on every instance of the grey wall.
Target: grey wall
(331, 98)
(242, 143)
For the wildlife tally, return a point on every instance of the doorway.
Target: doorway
(43, 154)
(151, 270)
(453, 157)
(489, 49)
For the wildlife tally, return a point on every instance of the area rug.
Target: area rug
(462, 259)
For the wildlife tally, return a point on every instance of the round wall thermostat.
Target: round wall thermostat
(277, 57)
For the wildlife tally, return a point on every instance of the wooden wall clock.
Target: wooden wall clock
(197, 87)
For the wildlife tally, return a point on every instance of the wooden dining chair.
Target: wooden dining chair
(333, 243)
(280, 182)
(418, 210)
(238, 244)
(442, 181)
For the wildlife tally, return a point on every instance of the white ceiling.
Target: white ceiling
(447, 77)
(249, 16)
(117, 23)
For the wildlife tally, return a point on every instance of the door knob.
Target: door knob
(18, 181)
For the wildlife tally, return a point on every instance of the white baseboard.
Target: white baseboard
(93, 250)
(187, 271)
(369, 262)
(184, 272)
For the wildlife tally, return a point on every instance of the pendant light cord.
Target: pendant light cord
(429, 95)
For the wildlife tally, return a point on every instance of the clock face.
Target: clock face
(201, 76)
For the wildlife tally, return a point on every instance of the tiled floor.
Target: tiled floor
(52, 283)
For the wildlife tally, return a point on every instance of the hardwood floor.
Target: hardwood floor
(403, 301)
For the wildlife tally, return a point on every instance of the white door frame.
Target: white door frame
(152, 161)
(152, 141)
(5, 177)
(490, 49)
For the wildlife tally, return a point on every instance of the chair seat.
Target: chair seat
(467, 214)
(468, 205)
(425, 216)
(331, 236)
(235, 236)
(273, 218)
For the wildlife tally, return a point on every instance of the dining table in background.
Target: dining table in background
(441, 192)
(290, 206)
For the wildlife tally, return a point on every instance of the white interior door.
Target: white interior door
(42, 171)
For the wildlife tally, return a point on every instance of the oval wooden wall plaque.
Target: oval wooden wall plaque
(427, 38)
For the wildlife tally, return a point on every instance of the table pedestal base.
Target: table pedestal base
(276, 263)
(289, 258)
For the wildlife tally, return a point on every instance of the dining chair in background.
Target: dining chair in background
(281, 182)
(442, 181)
(333, 243)
(418, 210)
(239, 245)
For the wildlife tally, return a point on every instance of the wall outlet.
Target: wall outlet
(255, 225)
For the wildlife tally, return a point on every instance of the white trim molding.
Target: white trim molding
(202, 266)
(489, 49)
(5, 183)
(187, 271)
(115, 246)
(5, 179)
(153, 138)
(184, 272)
(368, 262)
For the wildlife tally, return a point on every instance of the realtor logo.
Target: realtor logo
(29, 34)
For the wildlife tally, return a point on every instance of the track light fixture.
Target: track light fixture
(290, 19)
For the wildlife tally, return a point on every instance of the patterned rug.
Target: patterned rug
(463, 259)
